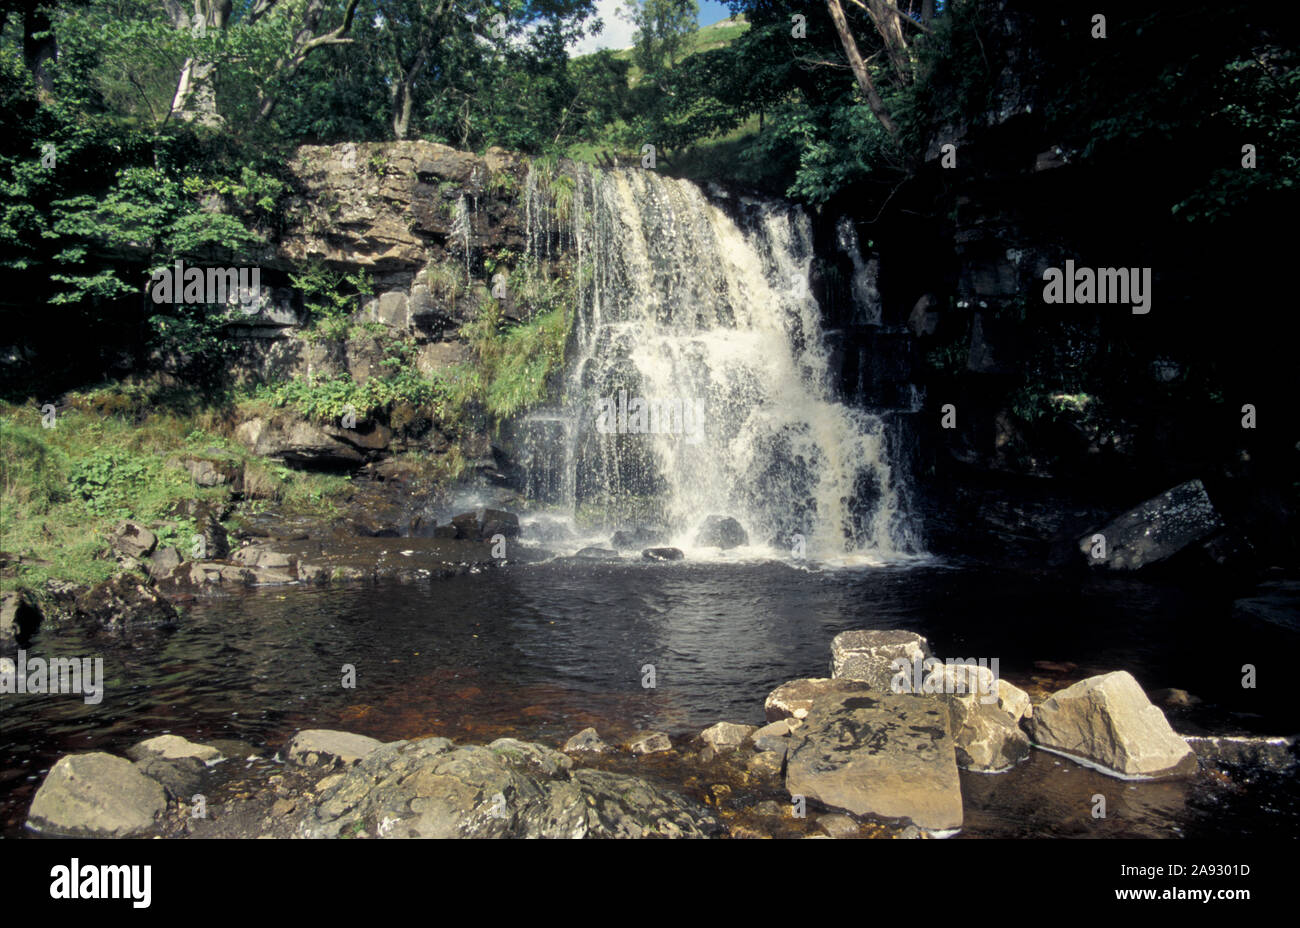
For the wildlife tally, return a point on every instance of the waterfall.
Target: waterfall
(698, 381)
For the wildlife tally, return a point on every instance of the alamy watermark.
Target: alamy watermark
(197, 285)
(59, 675)
(640, 416)
(1103, 285)
(954, 676)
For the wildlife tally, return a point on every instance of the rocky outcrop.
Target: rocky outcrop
(125, 603)
(1154, 531)
(1108, 721)
(432, 789)
(586, 741)
(96, 795)
(879, 754)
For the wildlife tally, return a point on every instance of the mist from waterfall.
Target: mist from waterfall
(684, 309)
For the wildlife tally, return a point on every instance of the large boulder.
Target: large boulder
(1154, 531)
(869, 655)
(96, 795)
(880, 754)
(432, 789)
(1108, 721)
(721, 532)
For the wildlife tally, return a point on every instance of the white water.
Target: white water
(679, 302)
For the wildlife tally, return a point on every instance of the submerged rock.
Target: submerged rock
(1109, 721)
(721, 532)
(171, 747)
(1154, 531)
(431, 789)
(96, 795)
(598, 554)
(868, 655)
(879, 754)
(662, 554)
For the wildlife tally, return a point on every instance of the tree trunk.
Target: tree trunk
(195, 100)
(38, 52)
(859, 67)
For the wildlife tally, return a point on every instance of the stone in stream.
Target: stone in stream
(795, 698)
(1273, 753)
(721, 532)
(1155, 530)
(869, 655)
(585, 742)
(987, 737)
(726, 736)
(648, 742)
(775, 736)
(638, 537)
(323, 747)
(1108, 721)
(171, 747)
(181, 777)
(598, 554)
(432, 789)
(662, 554)
(881, 754)
(499, 522)
(96, 795)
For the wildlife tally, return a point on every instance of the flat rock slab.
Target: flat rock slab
(881, 754)
(795, 698)
(1108, 721)
(432, 789)
(96, 795)
(172, 747)
(868, 655)
(319, 747)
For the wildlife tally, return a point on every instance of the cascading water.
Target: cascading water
(699, 383)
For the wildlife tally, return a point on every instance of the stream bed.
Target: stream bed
(540, 651)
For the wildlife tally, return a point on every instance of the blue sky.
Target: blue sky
(618, 32)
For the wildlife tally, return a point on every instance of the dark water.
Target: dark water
(541, 651)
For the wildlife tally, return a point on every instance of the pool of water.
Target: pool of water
(542, 650)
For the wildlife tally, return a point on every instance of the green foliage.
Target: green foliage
(331, 298)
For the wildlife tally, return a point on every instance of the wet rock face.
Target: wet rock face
(721, 532)
(1156, 530)
(868, 655)
(125, 602)
(879, 754)
(19, 616)
(510, 788)
(96, 795)
(1109, 721)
